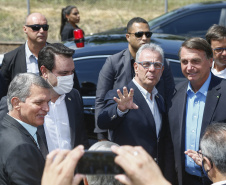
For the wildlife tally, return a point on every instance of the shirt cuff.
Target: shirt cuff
(120, 113)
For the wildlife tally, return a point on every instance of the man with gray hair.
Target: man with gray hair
(212, 157)
(21, 161)
(138, 117)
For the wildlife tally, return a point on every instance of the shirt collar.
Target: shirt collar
(59, 100)
(203, 89)
(28, 51)
(144, 91)
(31, 129)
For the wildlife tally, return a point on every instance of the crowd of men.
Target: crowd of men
(180, 130)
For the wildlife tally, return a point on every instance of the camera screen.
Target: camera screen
(98, 162)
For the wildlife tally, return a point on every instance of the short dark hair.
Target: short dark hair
(215, 32)
(213, 145)
(135, 20)
(198, 44)
(47, 54)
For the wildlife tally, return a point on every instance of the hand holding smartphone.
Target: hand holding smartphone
(98, 163)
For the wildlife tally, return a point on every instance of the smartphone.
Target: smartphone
(98, 162)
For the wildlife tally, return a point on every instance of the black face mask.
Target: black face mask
(204, 171)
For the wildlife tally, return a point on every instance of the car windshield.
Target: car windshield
(164, 16)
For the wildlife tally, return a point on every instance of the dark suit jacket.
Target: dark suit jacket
(137, 127)
(21, 162)
(213, 111)
(14, 62)
(75, 114)
(117, 72)
(3, 88)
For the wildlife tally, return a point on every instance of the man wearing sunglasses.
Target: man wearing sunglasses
(216, 37)
(195, 104)
(212, 156)
(135, 114)
(118, 69)
(24, 58)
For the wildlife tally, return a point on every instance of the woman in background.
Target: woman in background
(69, 19)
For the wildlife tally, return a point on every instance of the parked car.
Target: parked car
(191, 20)
(90, 59)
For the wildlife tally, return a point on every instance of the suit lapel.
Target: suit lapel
(71, 117)
(127, 66)
(212, 99)
(141, 102)
(180, 111)
(14, 123)
(161, 106)
(21, 65)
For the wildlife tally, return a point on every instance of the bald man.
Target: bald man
(24, 58)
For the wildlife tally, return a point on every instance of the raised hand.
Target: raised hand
(125, 100)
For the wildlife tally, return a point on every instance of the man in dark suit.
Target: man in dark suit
(21, 161)
(138, 117)
(24, 58)
(118, 69)
(64, 126)
(194, 105)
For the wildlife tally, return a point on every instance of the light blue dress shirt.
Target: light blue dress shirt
(31, 129)
(194, 113)
(31, 61)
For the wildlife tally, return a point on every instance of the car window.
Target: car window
(87, 71)
(176, 71)
(195, 24)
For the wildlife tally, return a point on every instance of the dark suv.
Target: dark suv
(191, 20)
(90, 59)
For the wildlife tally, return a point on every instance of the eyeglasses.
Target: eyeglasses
(140, 34)
(147, 64)
(201, 156)
(37, 27)
(219, 50)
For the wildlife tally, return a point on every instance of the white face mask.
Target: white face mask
(64, 84)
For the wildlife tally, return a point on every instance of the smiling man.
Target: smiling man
(138, 117)
(196, 103)
(21, 160)
(216, 37)
(118, 69)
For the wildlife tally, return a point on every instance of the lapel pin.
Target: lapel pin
(69, 99)
(217, 96)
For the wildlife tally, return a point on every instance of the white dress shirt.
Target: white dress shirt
(31, 60)
(151, 103)
(221, 74)
(219, 183)
(56, 125)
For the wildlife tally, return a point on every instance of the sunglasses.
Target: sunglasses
(37, 27)
(140, 34)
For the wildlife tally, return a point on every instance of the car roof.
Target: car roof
(111, 44)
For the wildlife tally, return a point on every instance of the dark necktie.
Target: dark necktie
(42, 146)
